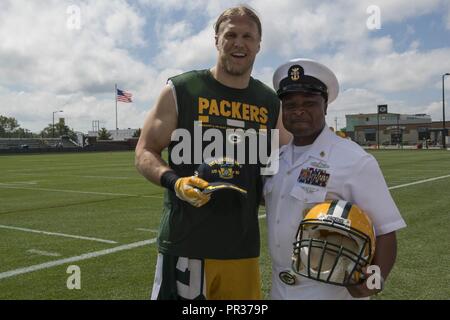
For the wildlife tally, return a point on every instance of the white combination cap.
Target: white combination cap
(305, 75)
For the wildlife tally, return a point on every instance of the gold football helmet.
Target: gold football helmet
(335, 240)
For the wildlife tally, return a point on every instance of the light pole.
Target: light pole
(53, 123)
(398, 130)
(443, 110)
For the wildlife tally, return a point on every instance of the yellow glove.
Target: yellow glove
(187, 189)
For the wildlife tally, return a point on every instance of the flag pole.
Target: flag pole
(115, 92)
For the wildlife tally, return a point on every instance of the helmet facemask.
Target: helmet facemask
(330, 252)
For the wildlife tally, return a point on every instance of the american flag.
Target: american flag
(124, 96)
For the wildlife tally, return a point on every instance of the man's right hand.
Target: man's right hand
(189, 189)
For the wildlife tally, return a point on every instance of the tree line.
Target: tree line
(10, 128)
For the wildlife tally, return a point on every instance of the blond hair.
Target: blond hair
(240, 11)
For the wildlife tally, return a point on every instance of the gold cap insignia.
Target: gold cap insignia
(295, 73)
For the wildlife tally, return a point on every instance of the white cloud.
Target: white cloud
(173, 31)
(39, 51)
(296, 28)
(448, 18)
(382, 45)
(390, 72)
(124, 25)
(170, 5)
(42, 63)
(265, 75)
(34, 110)
(196, 50)
(414, 45)
(356, 100)
(399, 10)
(435, 110)
(410, 30)
(351, 101)
(299, 27)
(42, 57)
(198, 7)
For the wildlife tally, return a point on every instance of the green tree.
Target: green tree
(8, 126)
(47, 132)
(103, 134)
(23, 133)
(60, 130)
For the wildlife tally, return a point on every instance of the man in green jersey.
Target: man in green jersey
(208, 244)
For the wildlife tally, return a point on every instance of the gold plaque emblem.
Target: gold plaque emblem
(226, 173)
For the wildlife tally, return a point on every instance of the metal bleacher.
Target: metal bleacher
(19, 143)
(36, 144)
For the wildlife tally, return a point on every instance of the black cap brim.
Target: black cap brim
(301, 88)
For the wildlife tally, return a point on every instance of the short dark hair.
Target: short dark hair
(240, 11)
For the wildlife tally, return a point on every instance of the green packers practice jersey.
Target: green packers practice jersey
(227, 226)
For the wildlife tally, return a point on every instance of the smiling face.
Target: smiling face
(304, 116)
(238, 42)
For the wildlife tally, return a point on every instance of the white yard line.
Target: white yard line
(6, 186)
(9, 186)
(85, 256)
(146, 230)
(56, 234)
(59, 168)
(105, 177)
(80, 176)
(12, 273)
(19, 183)
(44, 253)
(418, 182)
(51, 264)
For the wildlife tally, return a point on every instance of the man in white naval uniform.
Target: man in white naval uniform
(340, 170)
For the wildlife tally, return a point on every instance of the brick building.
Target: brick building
(394, 129)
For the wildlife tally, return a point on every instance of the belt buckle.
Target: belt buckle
(288, 277)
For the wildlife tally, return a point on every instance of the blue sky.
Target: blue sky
(138, 44)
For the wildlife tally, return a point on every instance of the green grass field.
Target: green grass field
(58, 206)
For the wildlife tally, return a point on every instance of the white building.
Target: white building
(117, 135)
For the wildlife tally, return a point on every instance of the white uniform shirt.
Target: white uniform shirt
(354, 176)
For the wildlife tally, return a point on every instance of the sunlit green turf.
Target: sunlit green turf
(100, 195)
